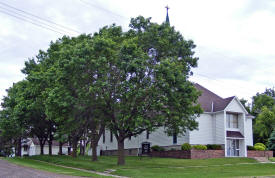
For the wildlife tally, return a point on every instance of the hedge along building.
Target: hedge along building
(224, 121)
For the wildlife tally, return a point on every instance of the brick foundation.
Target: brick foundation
(254, 153)
(203, 154)
(172, 154)
(192, 154)
(128, 152)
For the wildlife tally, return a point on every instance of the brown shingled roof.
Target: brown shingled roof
(208, 97)
(234, 134)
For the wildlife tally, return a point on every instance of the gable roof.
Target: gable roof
(211, 102)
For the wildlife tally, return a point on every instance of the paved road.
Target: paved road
(8, 170)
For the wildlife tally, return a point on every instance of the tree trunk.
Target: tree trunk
(74, 153)
(19, 148)
(121, 156)
(81, 148)
(41, 147)
(69, 150)
(50, 147)
(94, 151)
(60, 148)
(84, 147)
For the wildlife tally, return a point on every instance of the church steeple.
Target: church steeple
(167, 16)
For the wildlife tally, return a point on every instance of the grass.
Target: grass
(167, 167)
(272, 159)
(50, 168)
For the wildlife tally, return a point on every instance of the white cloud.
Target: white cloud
(234, 38)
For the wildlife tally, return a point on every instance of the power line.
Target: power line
(43, 19)
(30, 22)
(37, 21)
(103, 9)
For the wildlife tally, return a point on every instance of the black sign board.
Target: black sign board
(145, 146)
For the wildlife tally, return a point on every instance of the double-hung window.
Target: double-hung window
(232, 121)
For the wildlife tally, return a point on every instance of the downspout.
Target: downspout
(244, 131)
(212, 106)
(225, 141)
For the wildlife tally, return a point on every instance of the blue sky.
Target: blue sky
(234, 38)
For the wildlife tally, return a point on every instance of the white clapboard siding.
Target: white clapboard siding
(249, 131)
(158, 137)
(234, 106)
(204, 134)
(219, 123)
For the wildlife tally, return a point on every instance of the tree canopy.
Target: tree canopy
(126, 81)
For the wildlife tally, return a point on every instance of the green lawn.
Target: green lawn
(167, 167)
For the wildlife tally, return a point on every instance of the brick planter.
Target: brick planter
(255, 153)
(203, 154)
(172, 154)
(192, 154)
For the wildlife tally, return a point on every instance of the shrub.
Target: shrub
(186, 147)
(250, 148)
(260, 144)
(157, 148)
(200, 147)
(258, 147)
(214, 147)
(173, 149)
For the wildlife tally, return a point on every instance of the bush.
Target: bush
(260, 144)
(186, 147)
(173, 149)
(258, 147)
(200, 147)
(214, 147)
(250, 148)
(157, 148)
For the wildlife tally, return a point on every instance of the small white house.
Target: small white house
(224, 121)
(30, 147)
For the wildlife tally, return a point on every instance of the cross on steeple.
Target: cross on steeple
(167, 16)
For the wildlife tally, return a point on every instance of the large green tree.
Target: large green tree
(262, 99)
(265, 124)
(144, 80)
(262, 104)
(71, 66)
(13, 124)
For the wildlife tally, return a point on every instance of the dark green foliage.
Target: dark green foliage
(214, 147)
(271, 141)
(250, 148)
(264, 124)
(128, 82)
(263, 110)
(199, 147)
(157, 148)
(261, 100)
(186, 147)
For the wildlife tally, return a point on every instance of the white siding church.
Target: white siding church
(224, 121)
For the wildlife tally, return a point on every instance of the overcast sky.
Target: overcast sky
(235, 39)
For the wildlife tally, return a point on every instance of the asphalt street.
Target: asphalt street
(8, 170)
